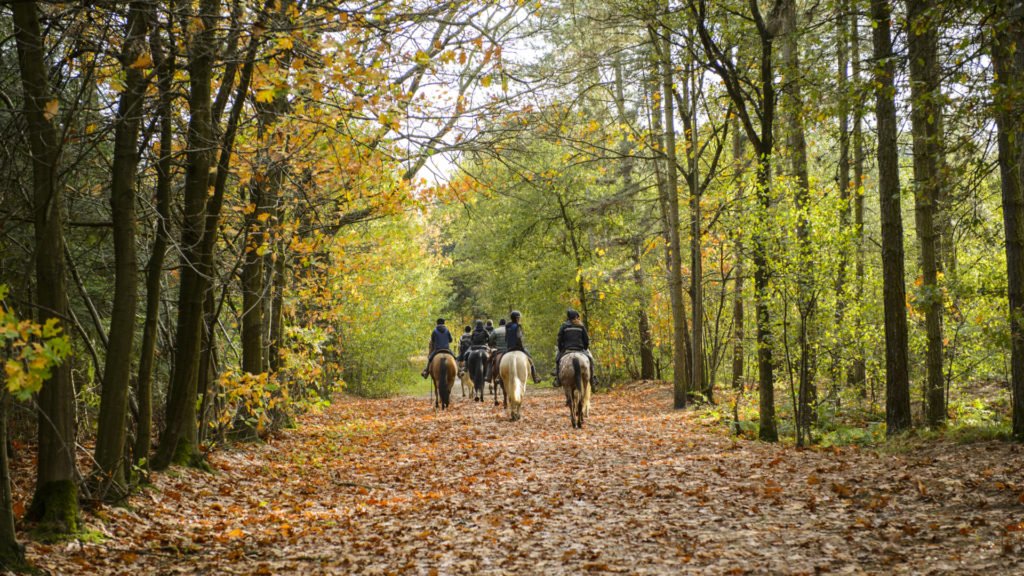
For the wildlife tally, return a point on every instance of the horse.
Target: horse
(496, 382)
(476, 364)
(443, 371)
(515, 370)
(574, 375)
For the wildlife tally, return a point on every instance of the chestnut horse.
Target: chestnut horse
(443, 371)
(574, 375)
(515, 370)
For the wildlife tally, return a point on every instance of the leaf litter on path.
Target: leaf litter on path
(393, 487)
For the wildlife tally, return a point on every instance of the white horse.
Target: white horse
(574, 375)
(515, 369)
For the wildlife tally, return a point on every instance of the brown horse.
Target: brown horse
(574, 375)
(443, 371)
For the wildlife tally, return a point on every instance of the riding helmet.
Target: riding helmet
(514, 315)
(572, 314)
(440, 321)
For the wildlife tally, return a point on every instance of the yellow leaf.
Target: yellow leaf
(143, 61)
(265, 95)
(485, 81)
(285, 43)
(51, 109)
(236, 533)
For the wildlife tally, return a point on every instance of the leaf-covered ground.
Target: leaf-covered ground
(391, 487)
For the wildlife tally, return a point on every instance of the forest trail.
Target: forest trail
(391, 487)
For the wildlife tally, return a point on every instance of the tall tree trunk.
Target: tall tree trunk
(178, 441)
(697, 379)
(759, 126)
(797, 148)
(263, 191)
(897, 382)
(680, 345)
(276, 317)
(111, 433)
(12, 553)
(926, 119)
(626, 148)
(1008, 60)
(857, 374)
(55, 502)
(843, 183)
(164, 60)
(739, 163)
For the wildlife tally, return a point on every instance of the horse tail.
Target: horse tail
(442, 384)
(577, 373)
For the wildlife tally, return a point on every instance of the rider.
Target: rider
(478, 337)
(463, 346)
(514, 339)
(500, 345)
(573, 337)
(440, 341)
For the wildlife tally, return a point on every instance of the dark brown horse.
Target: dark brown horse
(443, 371)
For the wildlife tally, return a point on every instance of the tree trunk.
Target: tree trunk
(111, 433)
(55, 502)
(1008, 60)
(680, 345)
(154, 268)
(626, 148)
(843, 183)
(797, 149)
(739, 163)
(697, 378)
(12, 553)
(926, 119)
(178, 441)
(897, 382)
(857, 374)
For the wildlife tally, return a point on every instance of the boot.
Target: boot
(533, 371)
(424, 373)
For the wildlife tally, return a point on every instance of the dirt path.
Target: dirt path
(390, 487)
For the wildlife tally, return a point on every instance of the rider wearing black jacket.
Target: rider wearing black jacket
(514, 339)
(573, 337)
(478, 337)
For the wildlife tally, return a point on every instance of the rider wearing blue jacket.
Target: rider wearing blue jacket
(440, 341)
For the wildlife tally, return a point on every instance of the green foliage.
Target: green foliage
(30, 350)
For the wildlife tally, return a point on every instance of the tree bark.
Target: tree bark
(178, 441)
(680, 345)
(164, 61)
(897, 382)
(843, 183)
(55, 502)
(857, 372)
(1008, 60)
(926, 120)
(697, 378)
(739, 163)
(110, 435)
(626, 148)
(797, 149)
(759, 126)
(12, 553)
